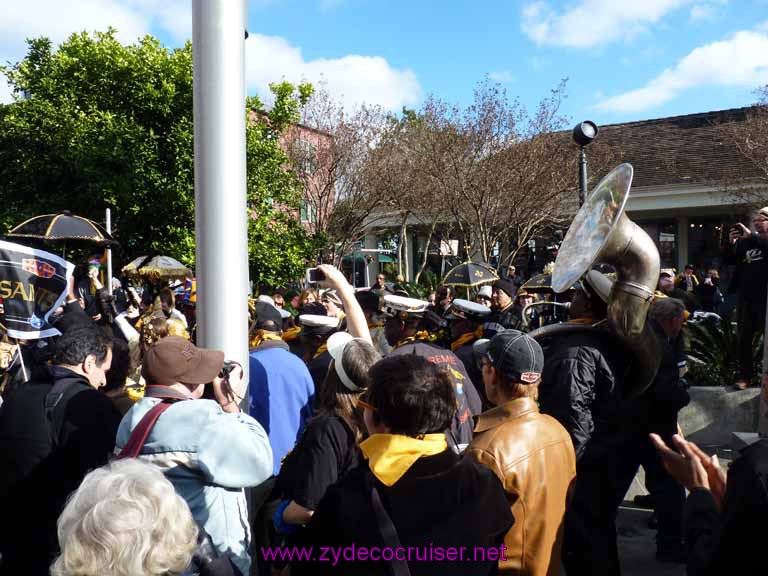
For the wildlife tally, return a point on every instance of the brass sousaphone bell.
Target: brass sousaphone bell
(602, 233)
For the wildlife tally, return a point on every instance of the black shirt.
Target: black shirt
(751, 256)
(442, 501)
(326, 452)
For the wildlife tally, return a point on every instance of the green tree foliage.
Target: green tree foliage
(97, 125)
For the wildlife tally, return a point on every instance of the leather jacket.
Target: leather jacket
(532, 455)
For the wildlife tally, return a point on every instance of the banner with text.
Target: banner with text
(33, 283)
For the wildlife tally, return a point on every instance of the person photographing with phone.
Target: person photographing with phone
(749, 251)
(207, 448)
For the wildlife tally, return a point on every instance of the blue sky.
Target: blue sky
(625, 59)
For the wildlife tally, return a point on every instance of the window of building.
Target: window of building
(306, 156)
(307, 213)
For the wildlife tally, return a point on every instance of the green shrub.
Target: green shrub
(713, 353)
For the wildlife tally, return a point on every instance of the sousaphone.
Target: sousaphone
(602, 233)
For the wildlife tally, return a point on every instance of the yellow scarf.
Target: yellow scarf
(468, 337)
(420, 335)
(391, 455)
(262, 336)
(323, 348)
(291, 334)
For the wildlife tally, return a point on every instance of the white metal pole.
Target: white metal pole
(762, 422)
(221, 226)
(108, 222)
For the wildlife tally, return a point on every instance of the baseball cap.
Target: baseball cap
(266, 312)
(174, 359)
(514, 354)
(331, 296)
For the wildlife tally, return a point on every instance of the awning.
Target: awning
(383, 258)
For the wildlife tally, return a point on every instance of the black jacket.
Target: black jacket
(750, 279)
(581, 388)
(38, 475)
(732, 542)
(442, 501)
(510, 317)
(655, 410)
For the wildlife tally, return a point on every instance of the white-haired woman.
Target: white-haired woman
(125, 520)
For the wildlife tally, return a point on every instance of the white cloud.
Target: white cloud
(353, 79)
(593, 22)
(702, 13)
(740, 60)
(58, 20)
(502, 76)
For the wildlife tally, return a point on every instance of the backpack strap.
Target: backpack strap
(388, 531)
(140, 434)
(61, 389)
(138, 437)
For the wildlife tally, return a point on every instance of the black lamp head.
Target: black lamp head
(585, 132)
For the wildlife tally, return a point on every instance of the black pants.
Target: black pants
(589, 545)
(751, 319)
(668, 495)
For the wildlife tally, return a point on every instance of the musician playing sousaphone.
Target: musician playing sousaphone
(581, 388)
(602, 356)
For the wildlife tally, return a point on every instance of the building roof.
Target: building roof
(679, 149)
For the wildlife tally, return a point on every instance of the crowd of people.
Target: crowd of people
(390, 434)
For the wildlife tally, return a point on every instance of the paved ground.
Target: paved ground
(637, 546)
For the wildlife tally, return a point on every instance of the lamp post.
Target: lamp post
(583, 134)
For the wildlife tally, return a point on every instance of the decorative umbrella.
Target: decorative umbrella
(157, 268)
(470, 274)
(63, 227)
(539, 284)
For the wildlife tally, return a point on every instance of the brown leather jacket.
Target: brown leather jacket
(533, 456)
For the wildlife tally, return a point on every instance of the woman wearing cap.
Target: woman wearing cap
(329, 446)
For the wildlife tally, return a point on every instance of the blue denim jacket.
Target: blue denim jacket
(209, 456)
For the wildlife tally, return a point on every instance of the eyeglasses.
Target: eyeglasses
(365, 405)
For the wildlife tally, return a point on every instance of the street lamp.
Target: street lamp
(583, 134)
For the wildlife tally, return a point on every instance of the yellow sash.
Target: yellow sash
(323, 348)
(262, 336)
(468, 337)
(420, 335)
(291, 334)
(391, 455)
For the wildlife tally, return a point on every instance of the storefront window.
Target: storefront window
(664, 235)
(706, 238)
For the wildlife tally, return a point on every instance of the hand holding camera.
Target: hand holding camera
(737, 232)
(229, 387)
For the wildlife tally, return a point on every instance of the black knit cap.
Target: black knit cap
(506, 285)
